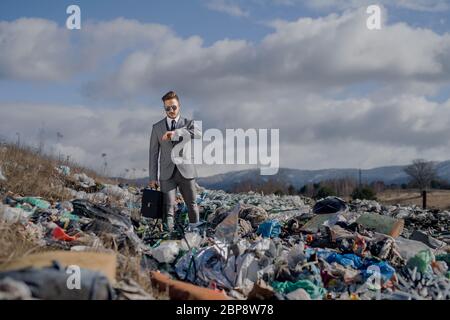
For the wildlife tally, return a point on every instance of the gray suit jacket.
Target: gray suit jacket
(163, 149)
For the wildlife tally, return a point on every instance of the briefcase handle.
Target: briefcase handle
(148, 188)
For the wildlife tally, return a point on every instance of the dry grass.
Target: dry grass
(15, 243)
(129, 266)
(29, 173)
(439, 199)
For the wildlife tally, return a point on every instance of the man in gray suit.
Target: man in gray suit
(166, 134)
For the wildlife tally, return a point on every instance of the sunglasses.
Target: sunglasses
(173, 108)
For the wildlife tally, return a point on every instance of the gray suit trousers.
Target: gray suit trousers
(187, 190)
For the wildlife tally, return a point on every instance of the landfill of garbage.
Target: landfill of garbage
(250, 246)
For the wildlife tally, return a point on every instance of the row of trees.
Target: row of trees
(335, 187)
(422, 176)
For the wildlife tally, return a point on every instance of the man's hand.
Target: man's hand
(153, 184)
(168, 135)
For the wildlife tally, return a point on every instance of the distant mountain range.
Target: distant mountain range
(298, 178)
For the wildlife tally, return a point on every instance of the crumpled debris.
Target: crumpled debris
(36, 202)
(427, 239)
(166, 252)
(84, 181)
(253, 245)
(63, 170)
(214, 199)
(124, 196)
(128, 289)
(59, 234)
(107, 220)
(315, 292)
(11, 289)
(227, 230)
(2, 177)
(97, 197)
(299, 294)
(421, 261)
(191, 240)
(51, 283)
(237, 267)
(13, 215)
(330, 205)
(269, 229)
(253, 214)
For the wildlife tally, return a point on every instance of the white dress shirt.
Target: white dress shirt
(169, 121)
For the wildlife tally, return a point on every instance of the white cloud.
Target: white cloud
(341, 95)
(314, 132)
(333, 51)
(226, 6)
(415, 5)
(39, 49)
(122, 133)
(34, 49)
(327, 53)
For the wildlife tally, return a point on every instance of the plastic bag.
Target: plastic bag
(193, 241)
(37, 202)
(269, 229)
(227, 230)
(316, 292)
(422, 260)
(166, 252)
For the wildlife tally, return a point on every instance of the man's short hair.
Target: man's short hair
(170, 95)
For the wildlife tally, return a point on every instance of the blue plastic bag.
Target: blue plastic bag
(356, 262)
(269, 229)
(346, 260)
(386, 270)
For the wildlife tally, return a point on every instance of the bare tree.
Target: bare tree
(105, 164)
(41, 138)
(421, 172)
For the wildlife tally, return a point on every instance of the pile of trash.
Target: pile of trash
(97, 222)
(250, 246)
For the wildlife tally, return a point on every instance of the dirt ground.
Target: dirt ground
(439, 199)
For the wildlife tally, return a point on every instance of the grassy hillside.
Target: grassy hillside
(28, 173)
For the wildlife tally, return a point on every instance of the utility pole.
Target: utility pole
(360, 178)
(18, 139)
(59, 136)
(424, 199)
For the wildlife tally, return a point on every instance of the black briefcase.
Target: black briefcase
(152, 204)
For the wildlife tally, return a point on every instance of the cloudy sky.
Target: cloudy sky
(341, 95)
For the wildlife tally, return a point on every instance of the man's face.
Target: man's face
(174, 108)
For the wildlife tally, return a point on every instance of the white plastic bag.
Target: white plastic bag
(166, 252)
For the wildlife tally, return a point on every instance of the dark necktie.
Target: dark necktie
(173, 125)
